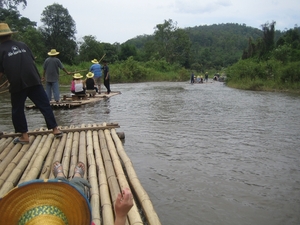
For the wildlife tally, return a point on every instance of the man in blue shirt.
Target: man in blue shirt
(96, 70)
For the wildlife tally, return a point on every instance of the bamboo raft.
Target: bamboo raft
(68, 103)
(108, 168)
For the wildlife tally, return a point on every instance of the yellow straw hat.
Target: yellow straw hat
(77, 76)
(45, 202)
(5, 30)
(90, 75)
(53, 52)
(94, 61)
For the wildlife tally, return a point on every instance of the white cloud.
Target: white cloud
(117, 21)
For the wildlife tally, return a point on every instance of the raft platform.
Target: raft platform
(69, 102)
(99, 146)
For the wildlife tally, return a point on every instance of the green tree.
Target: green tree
(9, 4)
(90, 49)
(59, 30)
(127, 51)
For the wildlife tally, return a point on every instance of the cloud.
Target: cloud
(197, 7)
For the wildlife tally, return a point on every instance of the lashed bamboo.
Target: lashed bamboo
(142, 195)
(66, 130)
(110, 172)
(7, 150)
(32, 159)
(74, 153)
(4, 143)
(38, 161)
(106, 205)
(133, 214)
(15, 175)
(82, 148)
(92, 174)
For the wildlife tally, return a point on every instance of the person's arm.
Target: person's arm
(64, 69)
(123, 204)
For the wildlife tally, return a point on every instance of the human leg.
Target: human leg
(38, 96)
(55, 88)
(107, 85)
(78, 181)
(18, 115)
(49, 90)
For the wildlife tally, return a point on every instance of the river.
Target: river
(205, 153)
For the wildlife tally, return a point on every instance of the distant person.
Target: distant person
(96, 70)
(192, 78)
(79, 84)
(72, 89)
(201, 79)
(89, 82)
(206, 76)
(51, 72)
(106, 77)
(17, 63)
(198, 79)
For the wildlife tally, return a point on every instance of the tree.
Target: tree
(127, 51)
(90, 49)
(59, 31)
(9, 4)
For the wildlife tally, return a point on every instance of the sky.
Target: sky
(120, 20)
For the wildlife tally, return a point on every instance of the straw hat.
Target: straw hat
(45, 202)
(77, 76)
(53, 52)
(94, 61)
(90, 75)
(5, 30)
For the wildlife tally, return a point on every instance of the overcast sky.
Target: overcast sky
(119, 20)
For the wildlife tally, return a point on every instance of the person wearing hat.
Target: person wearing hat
(51, 68)
(89, 82)
(206, 76)
(96, 70)
(79, 84)
(57, 201)
(106, 77)
(17, 64)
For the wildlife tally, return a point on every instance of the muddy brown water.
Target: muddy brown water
(205, 153)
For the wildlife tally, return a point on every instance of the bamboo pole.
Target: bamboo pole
(13, 178)
(100, 127)
(4, 143)
(57, 145)
(38, 161)
(6, 150)
(142, 195)
(113, 185)
(32, 159)
(106, 205)
(92, 174)
(74, 153)
(82, 148)
(133, 214)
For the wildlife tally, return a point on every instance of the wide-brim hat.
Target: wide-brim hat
(94, 61)
(5, 30)
(77, 76)
(45, 202)
(53, 52)
(90, 75)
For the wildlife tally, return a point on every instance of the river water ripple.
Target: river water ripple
(205, 153)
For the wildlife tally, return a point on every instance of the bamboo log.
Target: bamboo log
(106, 205)
(133, 214)
(11, 181)
(108, 126)
(92, 171)
(38, 162)
(32, 159)
(142, 195)
(110, 173)
(82, 148)
(4, 143)
(57, 145)
(74, 153)
(6, 150)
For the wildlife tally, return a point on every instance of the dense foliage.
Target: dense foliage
(268, 64)
(170, 53)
